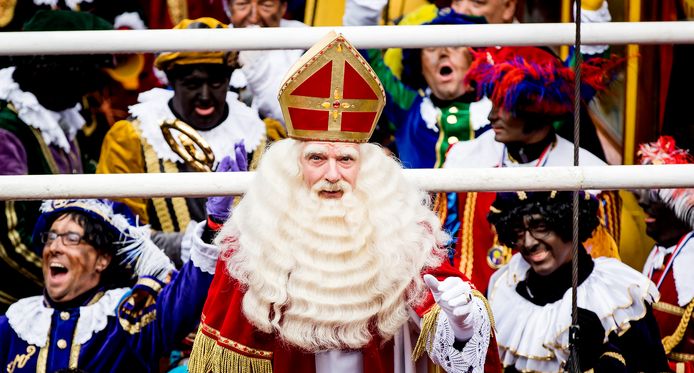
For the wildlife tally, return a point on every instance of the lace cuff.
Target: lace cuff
(203, 255)
(473, 355)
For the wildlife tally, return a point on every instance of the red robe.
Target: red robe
(665, 313)
(224, 324)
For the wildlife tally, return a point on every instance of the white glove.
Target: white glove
(454, 296)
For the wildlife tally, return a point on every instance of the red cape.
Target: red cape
(243, 346)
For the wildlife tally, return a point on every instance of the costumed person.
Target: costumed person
(201, 100)
(262, 71)
(420, 15)
(531, 296)
(332, 261)
(39, 120)
(670, 222)
(130, 75)
(112, 300)
(430, 108)
(530, 90)
(592, 11)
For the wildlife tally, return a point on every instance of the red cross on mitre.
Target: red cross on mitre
(331, 94)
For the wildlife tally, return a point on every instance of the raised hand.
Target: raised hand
(454, 296)
(219, 208)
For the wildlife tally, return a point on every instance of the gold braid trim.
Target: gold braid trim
(467, 244)
(668, 308)
(45, 150)
(257, 154)
(208, 356)
(179, 203)
(616, 356)
(669, 342)
(9, 212)
(610, 213)
(440, 206)
(42, 358)
(681, 356)
(15, 237)
(426, 335)
(152, 167)
(6, 298)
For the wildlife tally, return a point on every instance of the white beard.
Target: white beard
(328, 273)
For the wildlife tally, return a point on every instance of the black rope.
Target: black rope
(574, 331)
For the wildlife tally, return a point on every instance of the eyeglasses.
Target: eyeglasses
(537, 229)
(68, 238)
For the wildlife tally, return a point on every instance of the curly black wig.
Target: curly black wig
(509, 209)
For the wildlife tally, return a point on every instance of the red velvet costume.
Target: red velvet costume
(671, 268)
(224, 324)
(671, 311)
(332, 95)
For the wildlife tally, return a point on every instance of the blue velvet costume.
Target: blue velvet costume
(135, 335)
(420, 144)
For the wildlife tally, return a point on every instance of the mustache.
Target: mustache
(326, 186)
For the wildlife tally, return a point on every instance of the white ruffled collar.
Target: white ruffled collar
(478, 110)
(241, 123)
(614, 292)
(681, 269)
(57, 128)
(429, 112)
(31, 319)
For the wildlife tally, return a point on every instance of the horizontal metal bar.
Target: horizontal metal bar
(120, 41)
(190, 184)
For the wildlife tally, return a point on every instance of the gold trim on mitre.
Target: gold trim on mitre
(331, 94)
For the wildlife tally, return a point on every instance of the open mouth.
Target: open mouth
(445, 71)
(537, 255)
(57, 270)
(204, 111)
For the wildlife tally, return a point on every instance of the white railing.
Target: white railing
(191, 184)
(81, 42)
(196, 185)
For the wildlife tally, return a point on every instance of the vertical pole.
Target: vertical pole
(575, 366)
(631, 88)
